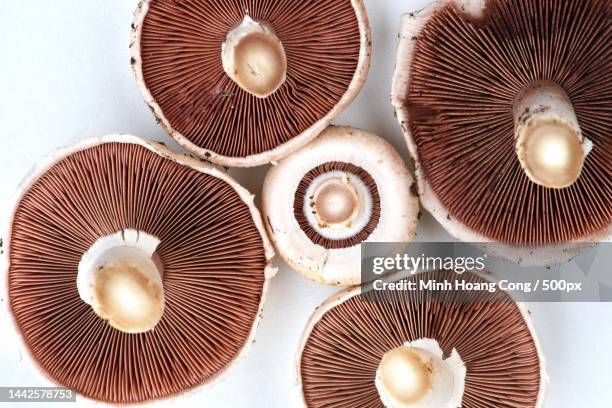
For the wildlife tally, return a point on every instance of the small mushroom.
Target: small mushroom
(502, 105)
(419, 349)
(345, 188)
(134, 273)
(243, 84)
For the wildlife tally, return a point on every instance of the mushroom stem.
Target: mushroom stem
(254, 57)
(549, 142)
(417, 376)
(120, 278)
(336, 202)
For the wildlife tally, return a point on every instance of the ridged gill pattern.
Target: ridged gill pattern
(342, 354)
(181, 63)
(212, 255)
(299, 200)
(465, 76)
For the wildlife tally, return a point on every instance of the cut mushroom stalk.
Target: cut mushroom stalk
(120, 277)
(338, 205)
(336, 202)
(417, 376)
(254, 57)
(549, 142)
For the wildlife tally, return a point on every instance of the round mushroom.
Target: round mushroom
(134, 273)
(323, 201)
(420, 349)
(503, 104)
(242, 84)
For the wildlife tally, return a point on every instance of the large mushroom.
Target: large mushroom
(420, 349)
(134, 273)
(243, 83)
(345, 188)
(505, 107)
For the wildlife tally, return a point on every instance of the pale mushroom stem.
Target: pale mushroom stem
(417, 376)
(254, 58)
(120, 278)
(549, 142)
(336, 203)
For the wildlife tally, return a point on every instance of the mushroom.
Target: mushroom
(421, 349)
(134, 273)
(345, 188)
(241, 84)
(503, 107)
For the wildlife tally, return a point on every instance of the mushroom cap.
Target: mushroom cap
(347, 336)
(455, 105)
(346, 151)
(104, 185)
(181, 76)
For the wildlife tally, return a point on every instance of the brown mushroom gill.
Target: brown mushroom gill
(212, 256)
(465, 78)
(300, 199)
(343, 352)
(182, 68)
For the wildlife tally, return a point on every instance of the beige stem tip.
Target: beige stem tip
(120, 277)
(549, 142)
(336, 202)
(127, 298)
(254, 57)
(417, 375)
(406, 377)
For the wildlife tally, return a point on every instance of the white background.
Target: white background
(65, 76)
